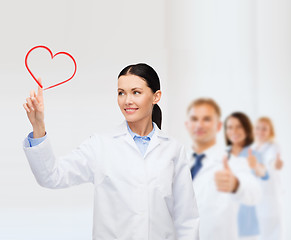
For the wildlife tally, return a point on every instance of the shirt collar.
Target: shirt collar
(122, 130)
(135, 135)
(213, 153)
(242, 153)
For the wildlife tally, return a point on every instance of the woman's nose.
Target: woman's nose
(128, 99)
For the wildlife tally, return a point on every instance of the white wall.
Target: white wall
(213, 55)
(274, 85)
(237, 52)
(104, 37)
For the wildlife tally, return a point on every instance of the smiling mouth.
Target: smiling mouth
(235, 137)
(130, 110)
(199, 133)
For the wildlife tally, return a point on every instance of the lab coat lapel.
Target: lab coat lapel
(122, 131)
(158, 136)
(129, 140)
(156, 140)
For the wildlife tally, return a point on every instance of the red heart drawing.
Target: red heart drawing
(26, 57)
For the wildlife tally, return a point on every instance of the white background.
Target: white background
(237, 52)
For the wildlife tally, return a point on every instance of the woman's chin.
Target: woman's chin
(131, 119)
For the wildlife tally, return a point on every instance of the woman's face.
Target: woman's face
(235, 132)
(135, 98)
(262, 131)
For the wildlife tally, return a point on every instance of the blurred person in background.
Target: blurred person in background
(220, 185)
(269, 210)
(239, 138)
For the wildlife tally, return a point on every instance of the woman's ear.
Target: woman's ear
(157, 96)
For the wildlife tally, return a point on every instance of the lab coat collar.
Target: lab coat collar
(214, 153)
(122, 131)
(135, 135)
(263, 147)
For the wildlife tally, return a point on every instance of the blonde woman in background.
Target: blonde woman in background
(269, 210)
(239, 136)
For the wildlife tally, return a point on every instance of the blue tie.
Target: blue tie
(195, 169)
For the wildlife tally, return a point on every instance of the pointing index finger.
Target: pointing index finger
(40, 89)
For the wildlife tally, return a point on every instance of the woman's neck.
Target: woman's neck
(236, 149)
(259, 144)
(142, 128)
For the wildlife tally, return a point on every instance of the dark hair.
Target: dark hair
(246, 124)
(152, 80)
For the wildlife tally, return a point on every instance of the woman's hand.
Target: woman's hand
(278, 163)
(34, 107)
(259, 168)
(252, 160)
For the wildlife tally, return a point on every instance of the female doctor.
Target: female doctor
(269, 210)
(239, 137)
(142, 182)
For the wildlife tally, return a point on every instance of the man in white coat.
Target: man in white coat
(221, 183)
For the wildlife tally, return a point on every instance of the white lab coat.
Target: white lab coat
(135, 197)
(269, 210)
(219, 211)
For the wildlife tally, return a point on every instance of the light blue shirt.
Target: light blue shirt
(142, 142)
(35, 141)
(248, 223)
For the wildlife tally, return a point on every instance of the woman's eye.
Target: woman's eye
(120, 93)
(136, 92)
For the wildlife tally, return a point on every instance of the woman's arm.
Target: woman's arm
(34, 107)
(72, 169)
(249, 191)
(49, 171)
(256, 164)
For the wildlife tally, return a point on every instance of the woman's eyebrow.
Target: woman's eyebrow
(120, 89)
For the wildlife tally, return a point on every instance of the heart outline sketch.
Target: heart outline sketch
(52, 56)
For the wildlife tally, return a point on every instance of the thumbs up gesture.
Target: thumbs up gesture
(225, 179)
(278, 163)
(252, 160)
(259, 168)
